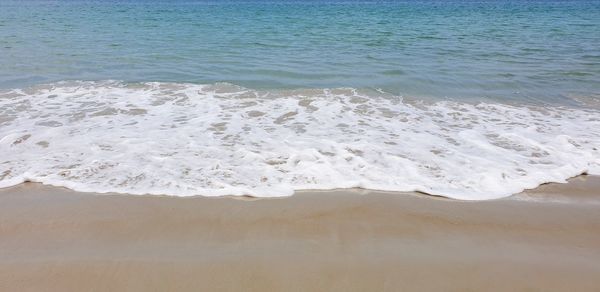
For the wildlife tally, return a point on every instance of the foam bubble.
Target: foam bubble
(220, 139)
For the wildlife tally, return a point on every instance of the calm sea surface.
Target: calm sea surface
(540, 51)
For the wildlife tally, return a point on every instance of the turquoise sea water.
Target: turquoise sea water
(465, 99)
(540, 51)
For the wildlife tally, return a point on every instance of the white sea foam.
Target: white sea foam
(186, 139)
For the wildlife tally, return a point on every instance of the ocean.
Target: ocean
(470, 100)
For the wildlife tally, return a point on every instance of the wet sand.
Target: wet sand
(54, 239)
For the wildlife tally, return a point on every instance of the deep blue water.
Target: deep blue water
(536, 51)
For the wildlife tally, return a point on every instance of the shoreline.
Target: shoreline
(545, 192)
(54, 239)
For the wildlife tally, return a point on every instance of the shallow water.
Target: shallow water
(470, 100)
(539, 51)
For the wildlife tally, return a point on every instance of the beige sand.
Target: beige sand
(53, 239)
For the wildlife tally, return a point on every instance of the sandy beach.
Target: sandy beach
(54, 239)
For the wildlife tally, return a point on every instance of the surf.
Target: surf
(184, 139)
